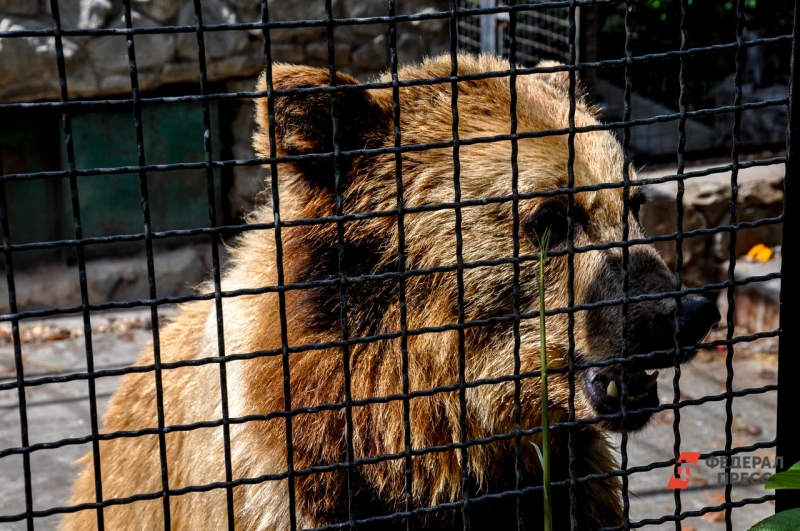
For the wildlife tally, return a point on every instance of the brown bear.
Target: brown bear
(358, 352)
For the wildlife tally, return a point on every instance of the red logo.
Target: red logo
(680, 477)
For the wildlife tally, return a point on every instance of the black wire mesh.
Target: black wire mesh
(537, 35)
(516, 46)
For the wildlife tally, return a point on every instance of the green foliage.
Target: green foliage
(543, 244)
(782, 521)
(785, 480)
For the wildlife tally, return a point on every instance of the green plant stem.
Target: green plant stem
(548, 498)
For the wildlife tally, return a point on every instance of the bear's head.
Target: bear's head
(467, 186)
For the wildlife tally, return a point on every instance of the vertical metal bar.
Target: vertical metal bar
(339, 190)
(212, 222)
(462, 388)
(76, 222)
(512, 85)
(151, 277)
(788, 360)
(626, 178)
(737, 119)
(19, 365)
(676, 387)
(488, 28)
(401, 267)
(575, 35)
(571, 450)
(276, 218)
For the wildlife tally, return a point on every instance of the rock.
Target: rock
(439, 44)
(288, 53)
(218, 44)
(25, 8)
(89, 14)
(410, 7)
(317, 54)
(283, 10)
(357, 33)
(154, 51)
(434, 26)
(660, 138)
(410, 48)
(116, 83)
(759, 127)
(183, 72)
(706, 205)
(109, 55)
(246, 5)
(160, 10)
(94, 13)
(110, 279)
(126, 279)
(22, 55)
(246, 65)
(757, 200)
(98, 66)
(365, 9)
(756, 304)
(372, 56)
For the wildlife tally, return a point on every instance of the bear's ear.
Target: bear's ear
(560, 80)
(303, 122)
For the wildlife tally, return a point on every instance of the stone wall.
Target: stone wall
(706, 205)
(98, 66)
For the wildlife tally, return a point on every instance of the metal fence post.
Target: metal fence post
(788, 360)
(488, 28)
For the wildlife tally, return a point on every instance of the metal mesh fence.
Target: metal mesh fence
(540, 34)
(514, 499)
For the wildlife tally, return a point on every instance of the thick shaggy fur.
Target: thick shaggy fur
(131, 465)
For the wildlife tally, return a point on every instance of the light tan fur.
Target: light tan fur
(131, 465)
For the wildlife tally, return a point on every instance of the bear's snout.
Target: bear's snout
(697, 317)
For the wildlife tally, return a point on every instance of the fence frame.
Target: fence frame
(788, 391)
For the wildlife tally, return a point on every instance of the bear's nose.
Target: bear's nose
(698, 316)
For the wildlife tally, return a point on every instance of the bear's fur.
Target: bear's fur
(324, 436)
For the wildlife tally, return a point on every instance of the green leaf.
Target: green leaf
(795, 466)
(784, 480)
(783, 521)
(539, 452)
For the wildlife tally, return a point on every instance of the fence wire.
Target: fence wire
(519, 45)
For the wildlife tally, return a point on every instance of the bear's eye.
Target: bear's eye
(637, 199)
(552, 215)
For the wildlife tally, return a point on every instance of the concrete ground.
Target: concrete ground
(59, 410)
(702, 429)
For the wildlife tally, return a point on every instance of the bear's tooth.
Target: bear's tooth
(651, 380)
(612, 390)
